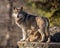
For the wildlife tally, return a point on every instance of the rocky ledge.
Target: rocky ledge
(37, 45)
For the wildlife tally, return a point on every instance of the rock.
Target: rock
(37, 45)
(55, 33)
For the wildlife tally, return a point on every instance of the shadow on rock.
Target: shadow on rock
(56, 37)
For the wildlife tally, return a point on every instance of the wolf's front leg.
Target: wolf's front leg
(23, 35)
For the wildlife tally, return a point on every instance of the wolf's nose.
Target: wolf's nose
(17, 16)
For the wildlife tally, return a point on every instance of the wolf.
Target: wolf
(28, 23)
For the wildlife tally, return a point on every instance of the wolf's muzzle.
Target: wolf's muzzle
(17, 16)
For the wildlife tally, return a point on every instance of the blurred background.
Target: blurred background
(10, 33)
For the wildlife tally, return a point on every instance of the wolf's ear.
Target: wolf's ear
(14, 8)
(21, 9)
(17, 9)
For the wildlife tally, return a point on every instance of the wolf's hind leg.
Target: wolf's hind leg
(42, 35)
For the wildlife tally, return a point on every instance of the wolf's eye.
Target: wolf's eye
(20, 15)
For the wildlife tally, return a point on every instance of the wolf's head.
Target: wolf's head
(15, 12)
(19, 13)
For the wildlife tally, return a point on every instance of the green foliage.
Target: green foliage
(51, 10)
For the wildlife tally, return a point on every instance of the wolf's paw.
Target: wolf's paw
(22, 40)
